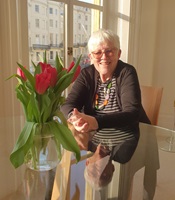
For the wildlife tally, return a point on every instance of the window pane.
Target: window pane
(123, 32)
(97, 2)
(86, 21)
(124, 7)
(46, 31)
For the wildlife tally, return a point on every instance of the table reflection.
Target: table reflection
(127, 158)
(35, 185)
(99, 169)
(146, 173)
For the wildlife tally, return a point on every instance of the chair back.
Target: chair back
(151, 99)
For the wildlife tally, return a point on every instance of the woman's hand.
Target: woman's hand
(82, 122)
(81, 138)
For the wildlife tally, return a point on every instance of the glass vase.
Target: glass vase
(43, 154)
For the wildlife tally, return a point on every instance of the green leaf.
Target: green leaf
(28, 75)
(64, 82)
(45, 57)
(22, 95)
(64, 135)
(38, 69)
(61, 61)
(24, 99)
(47, 101)
(59, 149)
(62, 73)
(34, 64)
(33, 111)
(23, 144)
(58, 64)
(14, 75)
(76, 65)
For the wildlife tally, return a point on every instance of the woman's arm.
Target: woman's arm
(79, 94)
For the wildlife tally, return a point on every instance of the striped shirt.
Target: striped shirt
(110, 136)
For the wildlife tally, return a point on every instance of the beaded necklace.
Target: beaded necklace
(106, 91)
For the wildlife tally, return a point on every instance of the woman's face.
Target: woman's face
(105, 58)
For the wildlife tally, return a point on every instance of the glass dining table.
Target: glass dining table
(149, 174)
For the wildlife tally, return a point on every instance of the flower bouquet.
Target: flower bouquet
(41, 95)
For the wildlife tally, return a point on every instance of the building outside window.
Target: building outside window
(50, 10)
(37, 23)
(37, 39)
(37, 56)
(37, 8)
(84, 19)
(51, 23)
(51, 38)
(44, 39)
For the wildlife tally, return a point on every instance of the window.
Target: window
(79, 26)
(98, 2)
(91, 20)
(44, 39)
(56, 39)
(51, 55)
(51, 23)
(51, 38)
(74, 24)
(50, 34)
(56, 24)
(37, 23)
(50, 10)
(123, 26)
(37, 8)
(37, 39)
(43, 24)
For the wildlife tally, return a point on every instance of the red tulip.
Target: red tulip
(48, 69)
(42, 82)
(21, 73)
(77, 72)
(53, 73)
(44, 66)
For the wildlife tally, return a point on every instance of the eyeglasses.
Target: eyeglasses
(107, 52)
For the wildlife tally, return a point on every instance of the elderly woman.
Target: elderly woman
(105, 100)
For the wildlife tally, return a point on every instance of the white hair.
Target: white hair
(103, 35)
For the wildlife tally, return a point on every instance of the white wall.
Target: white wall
(164, 69)
(156, 53)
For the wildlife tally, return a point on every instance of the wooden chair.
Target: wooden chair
(151, 99)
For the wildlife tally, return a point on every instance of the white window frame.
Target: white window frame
(68, 26)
